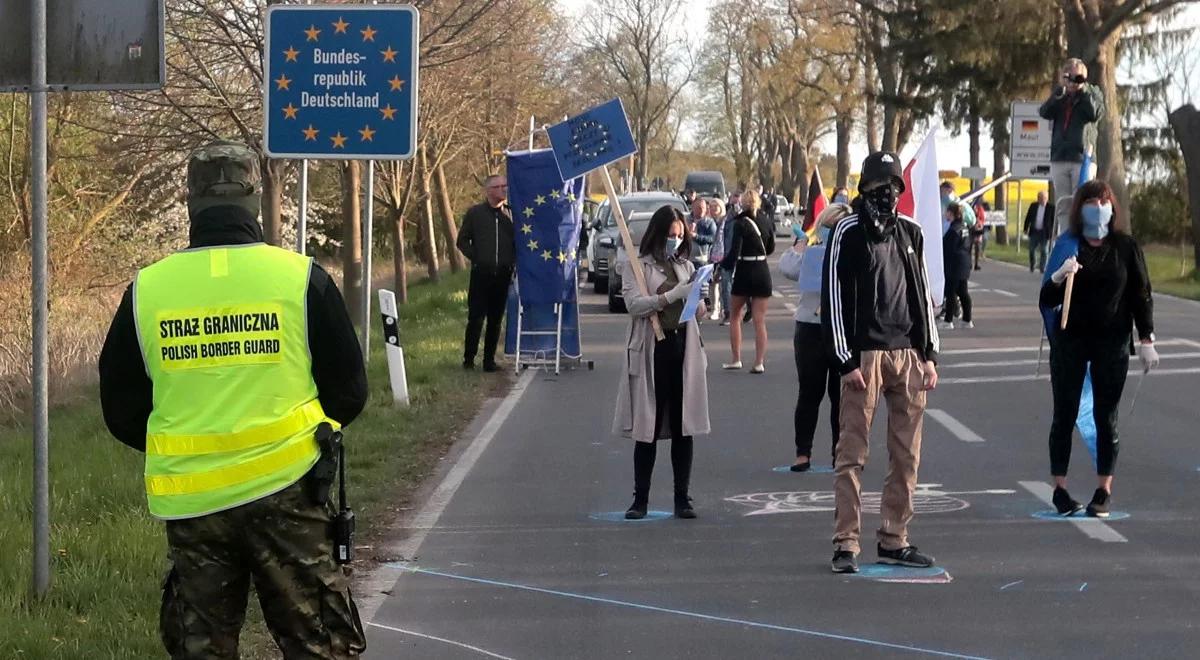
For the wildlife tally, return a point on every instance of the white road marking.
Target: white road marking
(1034, 349)
(1002, 292)
(443, 640)
(1017, 363)
(384, 579)
(1033, 377)
(1093, 527)
(956, 427)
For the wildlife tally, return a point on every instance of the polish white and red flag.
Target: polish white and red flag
(921, 201)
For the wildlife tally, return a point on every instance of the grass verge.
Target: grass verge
(1162, 261)
(109, 554)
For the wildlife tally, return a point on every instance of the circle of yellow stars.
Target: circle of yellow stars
(313, 35)
(527, 229)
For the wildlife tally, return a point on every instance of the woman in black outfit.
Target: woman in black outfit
(752, 240)
(956, 253)
(1110, 298)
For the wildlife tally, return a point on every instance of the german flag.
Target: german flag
(1029, 125)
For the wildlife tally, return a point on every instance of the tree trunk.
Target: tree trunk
(1185, 121)
(273, 171)
(398, 256)
(872, 104)
(1000, 139)
(787, 151)
(352, 238)
(973, 136)
(844, 125)
(891, 127)
(428, 235)
(1109, 154)
(457, 261)
(800, 167)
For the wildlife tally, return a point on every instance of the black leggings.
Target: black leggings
(817, 377)
(1069, 360)
(956, 291)
(668, 397)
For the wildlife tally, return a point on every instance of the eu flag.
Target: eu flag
(547, 215)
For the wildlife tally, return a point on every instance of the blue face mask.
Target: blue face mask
(824, 233)
(673, 244)
(1096, 220)
(840, 198)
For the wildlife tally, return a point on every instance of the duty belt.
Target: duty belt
(758, 258)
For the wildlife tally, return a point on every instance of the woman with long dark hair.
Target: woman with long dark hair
(663, 392)
(752, 241)
(1110, 300)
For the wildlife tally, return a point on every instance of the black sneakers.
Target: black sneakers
(906, 556)
(801, 467)
(844, 561)
(1098, 507)
(637, 510)
(1064, 504)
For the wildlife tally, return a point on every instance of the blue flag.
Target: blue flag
(1065, 247)
(1085, 169)
(547, 215)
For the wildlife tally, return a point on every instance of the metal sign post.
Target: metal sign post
(368, 235)
(302, 220)
(40, 303)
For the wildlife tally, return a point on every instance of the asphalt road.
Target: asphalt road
(517, 565)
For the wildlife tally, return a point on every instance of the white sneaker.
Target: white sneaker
(732, 365)
(714, 316)
(969, 324)
(942, 325)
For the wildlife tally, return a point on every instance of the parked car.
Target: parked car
(605, 237)
(784, 216)
(706, 183)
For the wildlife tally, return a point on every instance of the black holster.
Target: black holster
(319, 483)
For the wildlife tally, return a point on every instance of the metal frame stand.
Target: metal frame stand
(539, 359)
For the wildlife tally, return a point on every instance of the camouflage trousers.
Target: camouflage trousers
(282, 543)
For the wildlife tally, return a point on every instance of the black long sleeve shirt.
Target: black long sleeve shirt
(1111, 293)
(126, 392)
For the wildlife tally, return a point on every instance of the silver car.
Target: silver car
(606, 238)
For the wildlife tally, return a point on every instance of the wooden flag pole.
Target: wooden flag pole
(1067, 299)
(630, 248)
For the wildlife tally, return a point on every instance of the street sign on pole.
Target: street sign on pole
(1029, 148)
(90, 44)
(340, 81)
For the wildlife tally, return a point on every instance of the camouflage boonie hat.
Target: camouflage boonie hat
(224, 173)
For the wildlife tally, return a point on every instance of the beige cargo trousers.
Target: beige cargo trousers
(897, 376)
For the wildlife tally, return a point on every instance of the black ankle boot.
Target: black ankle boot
(637, 510)
(683, 506)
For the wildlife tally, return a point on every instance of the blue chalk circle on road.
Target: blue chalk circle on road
(1054, 515)
(904, 574)
(619, 516)
(814, 469)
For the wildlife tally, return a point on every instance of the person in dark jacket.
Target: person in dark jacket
(486, 238)
(1074, 106)
(197, 416)
(1039, 229)
(877, 321)
(956, 264)
(1110, 299)
(752, 240)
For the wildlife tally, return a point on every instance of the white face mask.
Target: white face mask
(673, 244)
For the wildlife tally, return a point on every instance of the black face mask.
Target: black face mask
(879, 209)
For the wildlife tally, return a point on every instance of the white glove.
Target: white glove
(1070, 266)
(1148, 356)
(680, 292)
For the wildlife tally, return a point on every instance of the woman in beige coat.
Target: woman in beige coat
(663, 391)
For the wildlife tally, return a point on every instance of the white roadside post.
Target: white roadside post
(395, 354)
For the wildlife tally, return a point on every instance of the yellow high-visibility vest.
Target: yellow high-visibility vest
(224, 337)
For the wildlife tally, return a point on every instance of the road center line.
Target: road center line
(1034, 349)
(956, 427)
(1002, 292)
(1017, 363)
(1034, 377)
(384, 579)
(1093, 527)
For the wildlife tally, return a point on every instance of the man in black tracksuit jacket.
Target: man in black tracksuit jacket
(877, 320)
(486, 238)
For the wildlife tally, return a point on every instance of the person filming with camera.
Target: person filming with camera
(1074, 107)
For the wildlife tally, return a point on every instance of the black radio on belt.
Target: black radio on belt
(343, 523)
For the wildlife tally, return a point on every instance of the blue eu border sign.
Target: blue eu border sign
(591, 139)
(340, 81)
